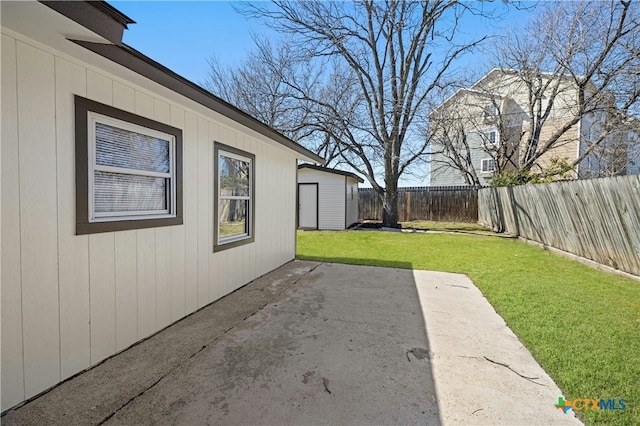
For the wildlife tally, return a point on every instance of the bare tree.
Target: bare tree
(575, 60)
(391, 57)
(571, 76)
(258, 86)
(469, 126)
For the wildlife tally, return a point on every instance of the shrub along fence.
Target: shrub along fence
(598, 219)
(436, 203)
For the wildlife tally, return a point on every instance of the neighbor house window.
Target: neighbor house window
(488, 165)
(234, 197)
(128, 170)
(490, 110)
(492, 137)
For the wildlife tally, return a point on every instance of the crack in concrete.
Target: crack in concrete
(224, 333)
(531, 379)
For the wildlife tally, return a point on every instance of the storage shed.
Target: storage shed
(131, 197)
(327, 198)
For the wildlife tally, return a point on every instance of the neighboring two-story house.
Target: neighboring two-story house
(488, 127)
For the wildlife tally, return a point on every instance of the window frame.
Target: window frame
(239, 240)
(87, 114)
(487, 161)
(497, 137)
(490, 111)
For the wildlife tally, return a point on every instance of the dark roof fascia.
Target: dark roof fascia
(97, 16)
(130, 58)
(329, 170)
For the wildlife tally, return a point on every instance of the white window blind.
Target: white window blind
(132, 171)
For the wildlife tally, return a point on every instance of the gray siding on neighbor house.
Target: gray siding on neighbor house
(442, 174)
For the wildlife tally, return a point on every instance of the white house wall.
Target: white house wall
(70, 301)
(331, 197)
(352, 201)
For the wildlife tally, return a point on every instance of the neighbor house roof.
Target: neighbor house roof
(330, 170)
(108, 22)
(458, 92)
(479, 87)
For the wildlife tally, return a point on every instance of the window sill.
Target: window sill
(236, 242)
(125, 225)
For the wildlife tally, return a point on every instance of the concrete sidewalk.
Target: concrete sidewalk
(318, 343)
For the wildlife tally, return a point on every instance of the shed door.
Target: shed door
(308, 205)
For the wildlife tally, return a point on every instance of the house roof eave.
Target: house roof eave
(332, 171)
(137, 62)
(97, 16)
(467, 90)
(109, 23)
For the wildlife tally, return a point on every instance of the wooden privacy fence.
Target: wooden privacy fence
(437, 203)
(598, 219)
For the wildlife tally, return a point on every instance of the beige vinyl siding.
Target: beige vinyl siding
(70, 301)
(565, 147)
(38, 217)
(11, 296)
(331, 197)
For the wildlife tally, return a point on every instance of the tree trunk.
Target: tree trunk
(390, 201)
(390, 209)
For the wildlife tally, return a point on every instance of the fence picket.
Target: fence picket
(440, 203)
(598, 219)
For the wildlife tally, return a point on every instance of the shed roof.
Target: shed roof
(330, 170)
(108, 22)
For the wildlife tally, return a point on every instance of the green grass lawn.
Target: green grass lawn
(444, 226)
(581, 324)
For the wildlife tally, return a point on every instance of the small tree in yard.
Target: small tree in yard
(387, 59)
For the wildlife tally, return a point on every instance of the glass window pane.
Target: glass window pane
(234, 177)
(232, 216)
(124, 148)
(492, 137)
(115, 192)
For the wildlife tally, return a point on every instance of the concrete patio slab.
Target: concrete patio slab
(319, 343)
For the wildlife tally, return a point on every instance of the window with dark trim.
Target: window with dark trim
(128, 170)
(234, 197)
